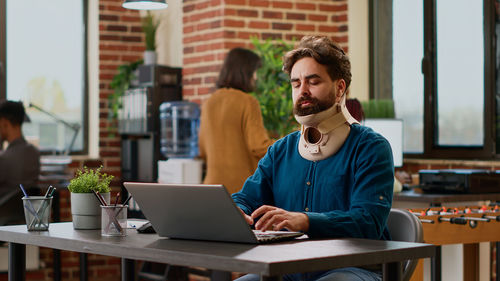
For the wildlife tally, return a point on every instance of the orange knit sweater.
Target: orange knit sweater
(232, 137)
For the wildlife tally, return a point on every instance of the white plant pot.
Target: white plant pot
(149, 57)
(86, 210)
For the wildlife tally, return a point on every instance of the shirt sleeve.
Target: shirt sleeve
(256, 135)
(370, 197)
(257, 189)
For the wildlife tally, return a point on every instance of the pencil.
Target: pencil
(98, 198)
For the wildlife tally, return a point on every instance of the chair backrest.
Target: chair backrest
(11, 208)
(11, 205)
(404, 226)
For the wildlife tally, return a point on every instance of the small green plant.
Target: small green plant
(149, 27)
(88, 180)
(378, 108)
(273, 89)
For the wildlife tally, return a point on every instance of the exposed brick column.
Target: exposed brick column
(120, 41)
(213, 27)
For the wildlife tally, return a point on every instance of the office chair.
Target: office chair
(404, 226)
(11, 208)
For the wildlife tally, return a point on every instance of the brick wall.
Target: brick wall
(213, 27)
(120, 41)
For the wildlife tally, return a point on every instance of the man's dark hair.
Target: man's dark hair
(237, 70)
(325, 52)
(12, 111)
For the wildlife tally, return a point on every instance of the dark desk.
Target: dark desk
(271, 261)
(433, 200)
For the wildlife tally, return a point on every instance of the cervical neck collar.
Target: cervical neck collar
(323, 133)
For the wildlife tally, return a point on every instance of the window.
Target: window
(43, 54)
(497, 73)
(408, 81)
(443, 75)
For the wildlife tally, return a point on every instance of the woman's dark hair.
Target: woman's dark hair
(237, 70)
(325, 52)
(12, 111)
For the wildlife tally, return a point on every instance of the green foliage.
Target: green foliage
(87, 180)
(273, 89)
(379, 108)
(149, 27)
(120, 83)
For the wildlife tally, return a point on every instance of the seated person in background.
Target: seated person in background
(333, 178)
(232, 135)
(403, 177)
(20, 162)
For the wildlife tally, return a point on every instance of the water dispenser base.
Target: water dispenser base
(180, 170)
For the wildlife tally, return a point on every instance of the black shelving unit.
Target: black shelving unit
(140, 135)
(139, 122)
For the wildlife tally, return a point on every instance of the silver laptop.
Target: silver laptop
(201, 212)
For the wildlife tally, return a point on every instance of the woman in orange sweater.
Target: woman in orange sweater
(232, 136)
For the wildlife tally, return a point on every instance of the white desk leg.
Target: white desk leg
(17, 262)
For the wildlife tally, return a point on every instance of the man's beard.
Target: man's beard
(316, 106)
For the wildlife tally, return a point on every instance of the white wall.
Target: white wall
(93, 76)
(359, 48)
(169, 34)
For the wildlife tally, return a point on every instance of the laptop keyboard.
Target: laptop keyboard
(272, 236)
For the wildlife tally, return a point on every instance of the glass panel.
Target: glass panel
(460, 72)
(408, 81)
(45, 67)
(497, 28)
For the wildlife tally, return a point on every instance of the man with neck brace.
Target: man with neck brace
(334, 177)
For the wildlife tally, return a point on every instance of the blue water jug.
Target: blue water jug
(180, 121)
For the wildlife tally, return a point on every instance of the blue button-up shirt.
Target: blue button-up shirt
(348, 194)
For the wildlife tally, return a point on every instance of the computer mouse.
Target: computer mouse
(146, 228)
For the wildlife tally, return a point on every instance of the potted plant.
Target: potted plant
(149, 27)
(85, 207)
(273, 88)
(121, 83)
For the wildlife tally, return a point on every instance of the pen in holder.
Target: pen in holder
(37, 209)
(114, 220)
(37, 212)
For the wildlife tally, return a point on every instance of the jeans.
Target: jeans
(339, 274)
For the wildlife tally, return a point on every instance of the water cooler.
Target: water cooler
(179, 122)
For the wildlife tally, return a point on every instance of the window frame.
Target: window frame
(431, 148)
(85, 93)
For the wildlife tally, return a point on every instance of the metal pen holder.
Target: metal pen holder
(114, 220)
(37, 212)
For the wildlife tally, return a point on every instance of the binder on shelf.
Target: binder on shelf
(137, 112)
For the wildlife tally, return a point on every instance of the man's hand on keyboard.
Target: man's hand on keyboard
(247, 217)
(274, 218)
